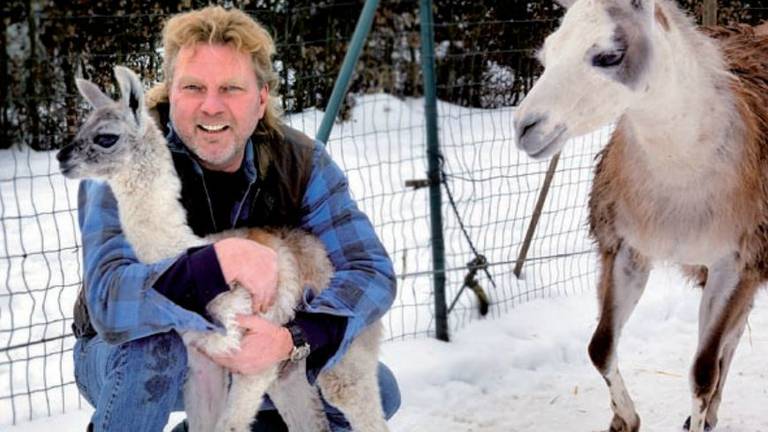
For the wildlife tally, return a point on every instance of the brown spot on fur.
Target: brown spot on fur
(743, 211)
(263, 237)
(607, 188)
(696, 274)
(602, 341)
(311, 259)
(706, 369)
(762, 29)
(661, 18)
(746, 52)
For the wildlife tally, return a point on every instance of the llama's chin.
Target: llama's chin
(69, 171)
(552, 144)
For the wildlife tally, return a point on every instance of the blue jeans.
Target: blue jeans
(135, 386)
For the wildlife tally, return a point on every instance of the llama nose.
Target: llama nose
(527, 124)
(64, 153)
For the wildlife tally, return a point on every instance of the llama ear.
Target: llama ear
(565, 3)
(131, 92)
(92, 93)
(642, 5)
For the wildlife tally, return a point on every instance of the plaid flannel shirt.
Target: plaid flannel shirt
(123, 305)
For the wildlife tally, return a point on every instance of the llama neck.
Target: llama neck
(687, 112)
(148, 192)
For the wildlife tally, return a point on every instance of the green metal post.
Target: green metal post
(435, 177)
(709, 13)
(347, 68)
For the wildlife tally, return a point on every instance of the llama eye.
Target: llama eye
(105, 140)
(608, 59)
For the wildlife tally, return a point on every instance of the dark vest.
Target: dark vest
(284, 164)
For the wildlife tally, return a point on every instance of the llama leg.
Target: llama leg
(622, 281)
(297, 401)
(245, 397)
(725, 306)
(352, 386)
(725, 363)
(204, 391)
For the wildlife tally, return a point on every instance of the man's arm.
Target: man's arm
(200, 274)
(121, 302)
(128, 299)
(360, 292)
(363, 286)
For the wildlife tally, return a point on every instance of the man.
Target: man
(239, 166)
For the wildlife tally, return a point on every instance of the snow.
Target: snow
(523, 369)
(529, 371)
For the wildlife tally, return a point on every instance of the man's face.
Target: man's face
(216, 103)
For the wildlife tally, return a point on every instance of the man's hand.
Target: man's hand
(252, 266)
(263, 345)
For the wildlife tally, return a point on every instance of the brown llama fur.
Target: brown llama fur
(683, 179)
(746, 210)
(738, 210)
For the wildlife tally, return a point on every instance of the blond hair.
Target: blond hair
(216, 25)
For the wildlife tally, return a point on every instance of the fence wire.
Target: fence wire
(380, 144)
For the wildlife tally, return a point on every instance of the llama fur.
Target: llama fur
(683, 179)
(140, 171)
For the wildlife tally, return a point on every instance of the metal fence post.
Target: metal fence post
(347, 67)
(30, 88)
(5, 88)
(709, 13)
(433, 154)
(521, 257)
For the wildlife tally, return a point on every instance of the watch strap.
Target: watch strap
(301, 347)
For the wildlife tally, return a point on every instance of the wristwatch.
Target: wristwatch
(300, 349)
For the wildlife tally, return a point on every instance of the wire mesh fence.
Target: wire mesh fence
(40, 270)
(379, 142)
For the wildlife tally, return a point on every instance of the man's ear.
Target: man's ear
(263, 100)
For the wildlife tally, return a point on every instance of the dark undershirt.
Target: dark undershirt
(196, 278)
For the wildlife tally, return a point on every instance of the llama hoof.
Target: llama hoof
(618, 424)
(687, 425)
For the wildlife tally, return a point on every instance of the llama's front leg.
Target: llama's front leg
(725, 306)
(624, 274)
(297, 401)
(352, 385)
(245, 397)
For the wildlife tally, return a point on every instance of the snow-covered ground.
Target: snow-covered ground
(529, 371)
(525, 369)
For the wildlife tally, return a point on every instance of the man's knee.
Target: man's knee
(163, 352)
(390, 392)
(160, 361)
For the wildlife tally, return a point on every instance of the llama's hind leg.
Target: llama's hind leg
(624, 274)
(725, 306)
(205, 391)
(352, 385)
(297, 401)
(729, 349)
(245, 397)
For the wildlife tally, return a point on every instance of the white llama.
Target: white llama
(121, 144)
(684, 178)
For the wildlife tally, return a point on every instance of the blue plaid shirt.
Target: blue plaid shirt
(123, 305)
